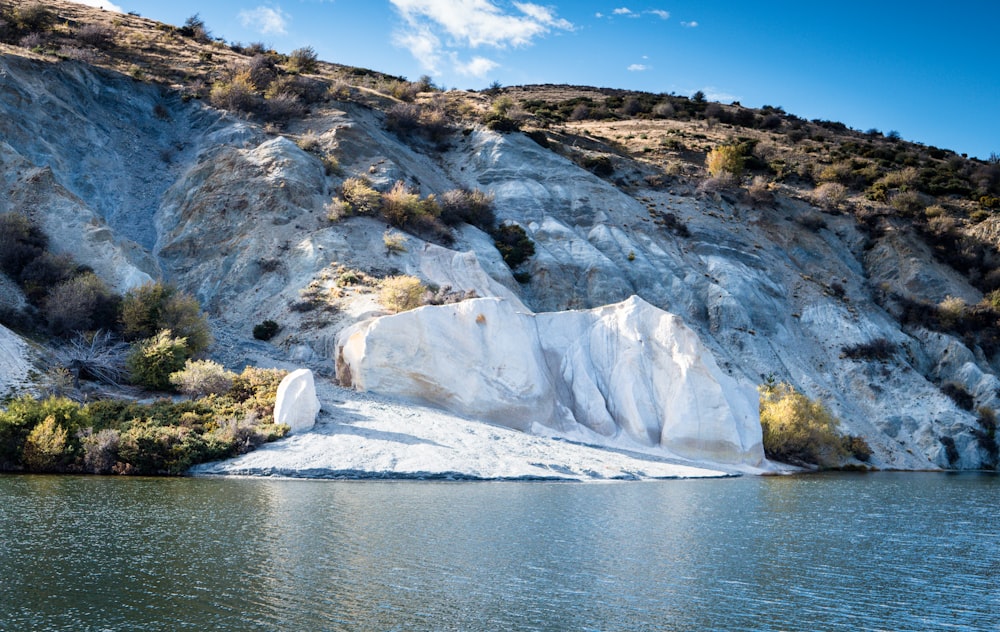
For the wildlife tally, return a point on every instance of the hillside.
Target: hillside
(751, 246)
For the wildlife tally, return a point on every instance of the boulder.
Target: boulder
(297, 404)
(628, 375)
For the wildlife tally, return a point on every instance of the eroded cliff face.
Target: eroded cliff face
(627, 375)
(137, 184)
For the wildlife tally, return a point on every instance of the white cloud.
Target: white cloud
(625, 11)
(265, 20)
(660, 13)
(689, 25)
(638, 67)
(437, 29)
(479, 67)
(100, 4)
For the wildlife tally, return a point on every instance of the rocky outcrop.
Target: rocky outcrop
(14, 363)
(627, 374)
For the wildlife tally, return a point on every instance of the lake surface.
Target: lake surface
(826, 552)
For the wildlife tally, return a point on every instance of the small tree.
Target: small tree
(83, 303)
(360, 196)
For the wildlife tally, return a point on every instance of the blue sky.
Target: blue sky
(928, 70)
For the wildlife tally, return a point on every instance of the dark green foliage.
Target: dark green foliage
(266, 330)
(950, 451)
(958, 394)
(21, 242)
(513, 243)
(501, 123)
(986, 436)
(599, 165)
(127, 437)
(880, 349)
(858, 448)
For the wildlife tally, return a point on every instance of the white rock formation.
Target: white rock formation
(297, 404)
(14, 364)
(627, 374)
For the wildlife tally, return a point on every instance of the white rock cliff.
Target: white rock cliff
(628, 374)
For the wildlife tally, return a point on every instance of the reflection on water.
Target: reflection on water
(886, 551)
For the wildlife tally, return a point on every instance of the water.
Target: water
(832, 552)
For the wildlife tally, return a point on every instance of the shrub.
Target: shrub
(199, 378)
(401, 293)
(760, 191)
(266, 330)
(194, 27)
(797, 429)
(858, 448)
(100, 449)
(513, 243)
(880, 349)
(599, 165)
(23, 415)
(360, 196)
(725, 159)
(283, 106)
(155, 306)
(959, 394)
(151, 362)
(303, 60)
(96, 35)
(400, 206)
(239, 93)
(45, 446)
(395, 243)
(43, 273)
(472, 207)
(21, 242)
(830, 195)
(32, 17)
(403, 118)
(950, 310)
(97, 356)
(83, 303)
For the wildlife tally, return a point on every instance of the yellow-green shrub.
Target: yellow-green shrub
(401, 293)
(724, 159)
(797, 429)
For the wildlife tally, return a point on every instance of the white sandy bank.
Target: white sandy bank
(359, 435)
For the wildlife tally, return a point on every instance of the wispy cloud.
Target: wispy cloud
(265, 20)
(715, 94)
(100, 4)
(626, 12)
(436, 30)
(689, 25)
(660, 13)
(638, 67)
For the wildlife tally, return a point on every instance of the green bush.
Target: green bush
(199, 378)
(21, 242)
(797, 429)
(152, 307)
(151, 362)
(266, 330)
(513, 243)
(44, 449)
